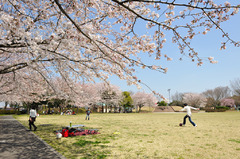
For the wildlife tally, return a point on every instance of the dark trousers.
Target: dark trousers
(87, 117)
(31, 123)
(184, 120)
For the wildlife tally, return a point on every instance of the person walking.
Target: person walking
(32, 119)
(88, 114)
(189, 113)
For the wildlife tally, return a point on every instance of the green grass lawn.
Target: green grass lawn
(147, 135)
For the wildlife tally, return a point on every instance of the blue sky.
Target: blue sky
(185, 76)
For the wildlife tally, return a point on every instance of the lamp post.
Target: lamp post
(169, 95)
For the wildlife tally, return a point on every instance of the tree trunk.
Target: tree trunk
(6, 104)
(139, 109)
(106, 107)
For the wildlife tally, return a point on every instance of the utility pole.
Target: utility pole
(169, 96)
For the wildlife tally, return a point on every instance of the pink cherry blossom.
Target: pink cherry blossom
(54, 48)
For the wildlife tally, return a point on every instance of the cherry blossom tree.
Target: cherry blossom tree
(21, 90)
(89, 39)
(141, 99)
(90, 93)
(194, 99)
(228, 102)
(111, 95)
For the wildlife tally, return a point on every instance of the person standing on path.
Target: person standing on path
(32, 119)
(88, 114)
(189, 113)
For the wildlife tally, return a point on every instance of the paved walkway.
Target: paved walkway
(17, 142)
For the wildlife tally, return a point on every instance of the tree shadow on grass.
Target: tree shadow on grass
(85, 147)
(92, 149)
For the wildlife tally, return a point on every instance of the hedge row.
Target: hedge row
(4, 111)
(218, 109)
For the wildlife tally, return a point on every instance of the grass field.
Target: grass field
(146, 135)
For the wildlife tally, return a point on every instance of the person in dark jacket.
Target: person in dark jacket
(88, 112)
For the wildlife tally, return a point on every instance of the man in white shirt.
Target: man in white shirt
(189, 113)
(32, 118)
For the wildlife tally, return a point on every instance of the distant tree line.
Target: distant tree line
(219, 96)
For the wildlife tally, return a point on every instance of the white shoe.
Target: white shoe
(195, 125)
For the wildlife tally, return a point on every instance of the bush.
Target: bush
(4, 111)
(222, 107)
(162, 103)
(218, 109)
(176, 103)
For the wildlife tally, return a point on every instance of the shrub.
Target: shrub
(176, 103)
(218, 109)
(222, 107)
(4, 111)
(162, 103)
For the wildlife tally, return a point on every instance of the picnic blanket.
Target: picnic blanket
(66, 132)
